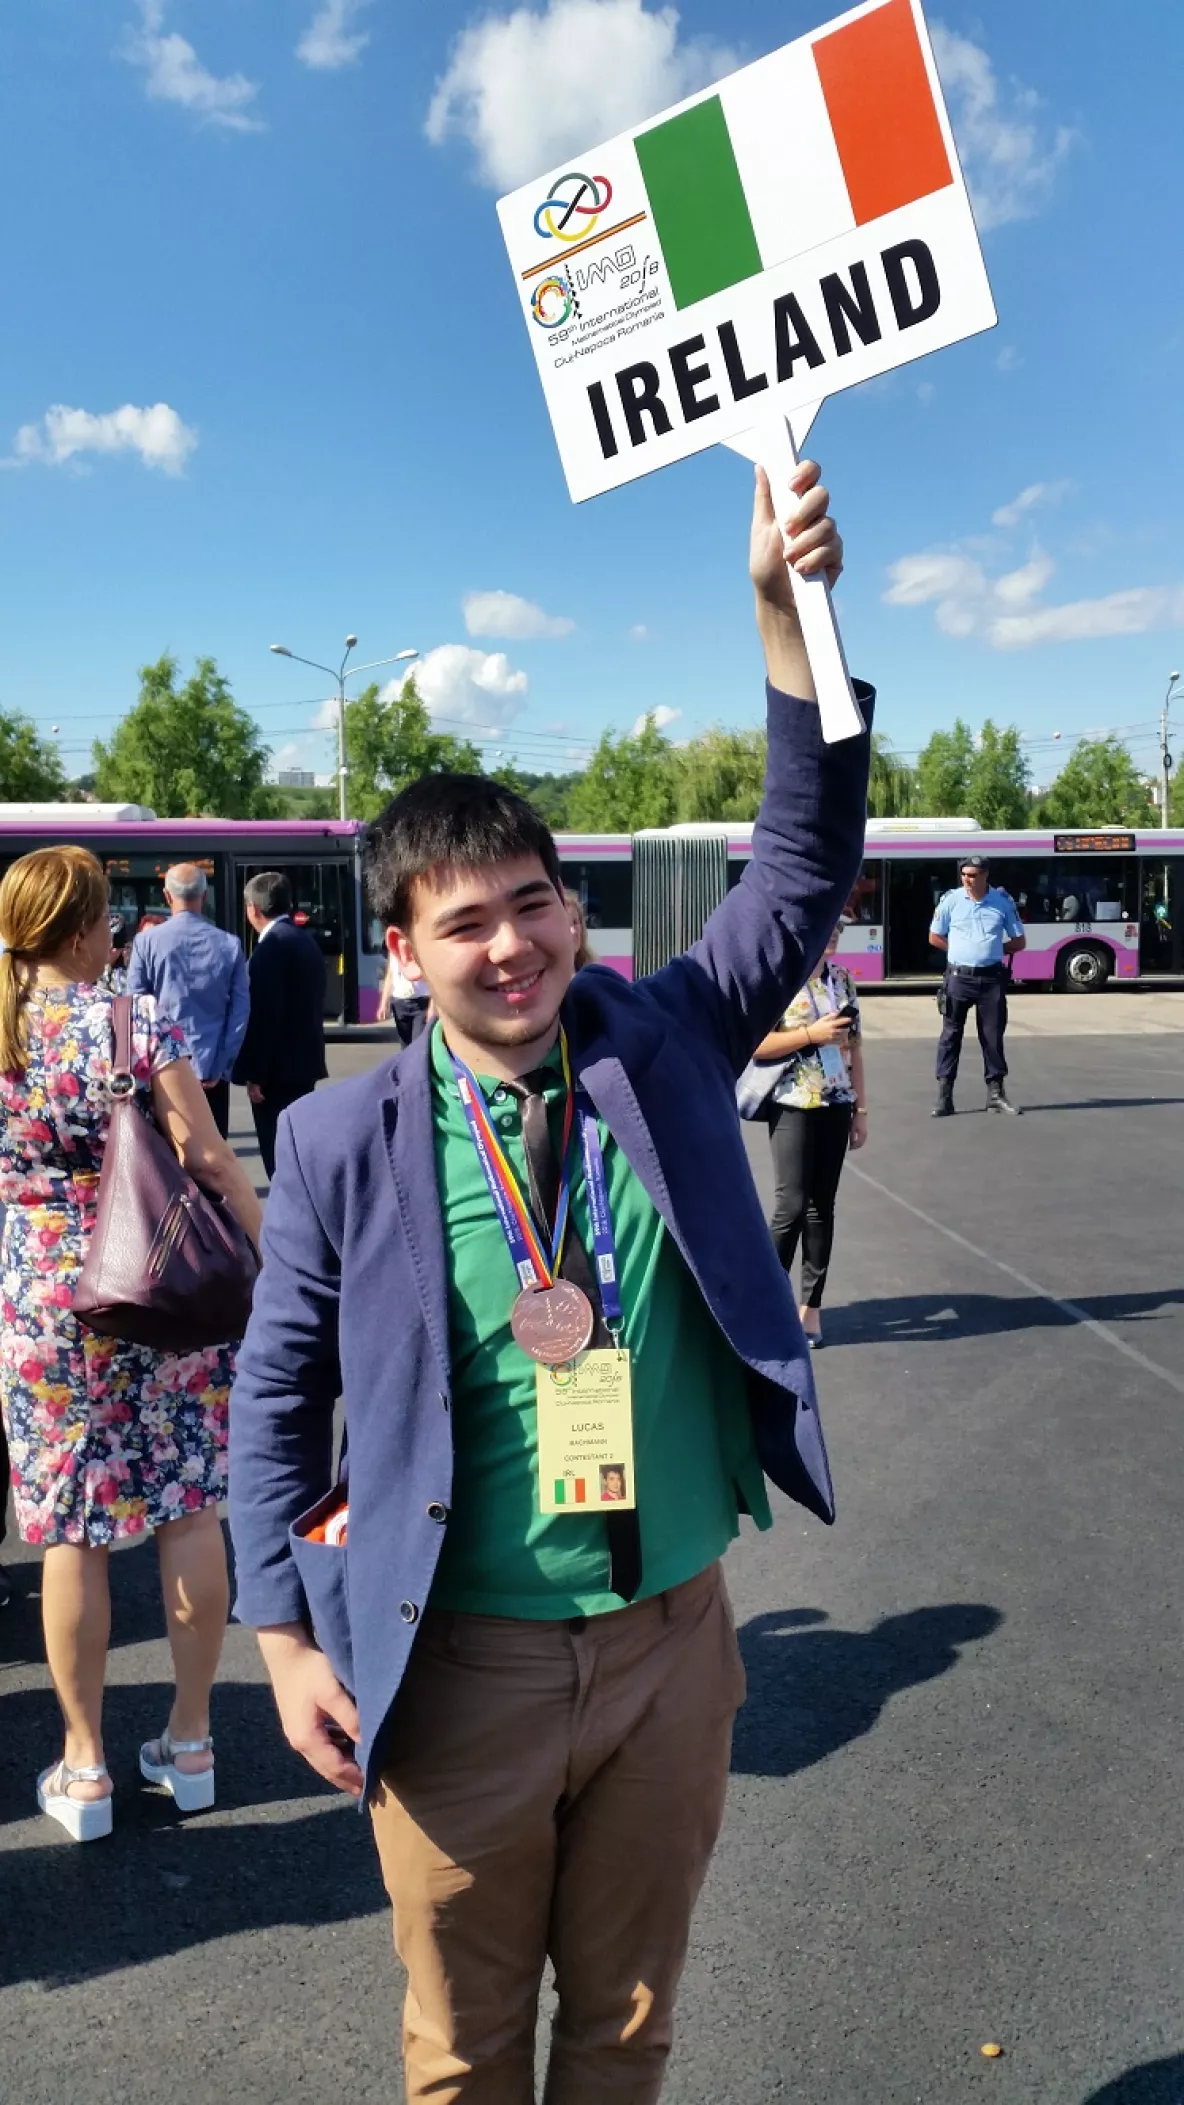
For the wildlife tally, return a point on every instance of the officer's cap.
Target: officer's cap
(973, 862)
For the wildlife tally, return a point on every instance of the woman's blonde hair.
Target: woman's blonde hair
(585, 955)
(46, 899)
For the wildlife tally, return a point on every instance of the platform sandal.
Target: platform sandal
(84, 1819)
(193, 1792)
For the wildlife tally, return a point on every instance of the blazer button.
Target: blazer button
(409, 1611)
(437, 1512)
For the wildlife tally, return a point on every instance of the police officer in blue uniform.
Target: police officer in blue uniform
(978, 927)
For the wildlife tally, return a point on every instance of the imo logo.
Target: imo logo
(572, 206)
(553, 302)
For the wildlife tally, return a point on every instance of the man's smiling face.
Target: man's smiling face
(495, 946)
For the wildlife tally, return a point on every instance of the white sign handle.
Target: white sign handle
(837, 705)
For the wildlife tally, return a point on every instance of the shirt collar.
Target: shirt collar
(442, 1068)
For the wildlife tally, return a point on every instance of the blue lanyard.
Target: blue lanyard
(604, 1246)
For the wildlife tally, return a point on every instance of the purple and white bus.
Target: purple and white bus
(1100, 905)
(321, 858)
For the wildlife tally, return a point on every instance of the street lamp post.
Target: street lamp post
(341, 675)
(1165, 758)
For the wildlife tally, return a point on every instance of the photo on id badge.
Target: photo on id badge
(585, 1439)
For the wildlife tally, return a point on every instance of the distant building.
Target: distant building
(296, 778)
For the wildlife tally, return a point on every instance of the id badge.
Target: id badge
(585, 1435)
(834, 1066)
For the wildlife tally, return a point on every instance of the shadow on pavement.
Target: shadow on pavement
(937, 1318)
(163, 1884)
(1106, 1103)
(1154, 2083)
(811, 1691)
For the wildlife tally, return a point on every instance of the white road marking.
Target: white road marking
(1033, 1286)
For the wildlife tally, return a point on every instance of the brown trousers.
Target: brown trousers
(554, 1789)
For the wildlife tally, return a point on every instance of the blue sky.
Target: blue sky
(233, 209)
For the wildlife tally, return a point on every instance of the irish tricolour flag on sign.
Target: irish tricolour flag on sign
(733, 193)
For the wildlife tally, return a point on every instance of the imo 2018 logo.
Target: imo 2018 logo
(553, 302)
(572, 207)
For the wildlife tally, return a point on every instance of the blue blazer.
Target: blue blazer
(353, 1301)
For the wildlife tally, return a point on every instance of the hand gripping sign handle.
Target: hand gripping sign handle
(841, 718)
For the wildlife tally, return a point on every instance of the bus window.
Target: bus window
(866, 903)
(604, 890)
(136, 884)
(1070, 888)
(914, 889)
(318, 904)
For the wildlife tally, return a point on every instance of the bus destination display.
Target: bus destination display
(1093, 844)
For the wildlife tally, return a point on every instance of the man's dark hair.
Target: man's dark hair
(465, 820)
(269, 893)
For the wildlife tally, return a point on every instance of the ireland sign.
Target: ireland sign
(713, 275)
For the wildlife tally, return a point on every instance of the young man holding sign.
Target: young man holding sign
(532, 1257)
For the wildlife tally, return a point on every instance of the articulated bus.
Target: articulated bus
(1101, 905)
(1098, 905)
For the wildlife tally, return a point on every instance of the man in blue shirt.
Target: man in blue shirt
(978, 927)
(199, 976)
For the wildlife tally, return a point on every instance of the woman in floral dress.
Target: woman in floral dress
(107, 1440)
(818, 1111)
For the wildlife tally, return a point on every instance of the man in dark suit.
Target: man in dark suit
(540, 1694)
(283, 1053)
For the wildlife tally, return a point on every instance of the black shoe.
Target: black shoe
(7, 1589)
(944, 1107)
(998, 1100)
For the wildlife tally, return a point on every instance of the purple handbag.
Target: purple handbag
(168, 1265)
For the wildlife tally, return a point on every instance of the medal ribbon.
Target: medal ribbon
(533, 1263)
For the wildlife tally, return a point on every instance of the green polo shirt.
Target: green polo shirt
(695, 1461)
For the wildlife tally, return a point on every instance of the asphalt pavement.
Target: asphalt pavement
(955, 1815)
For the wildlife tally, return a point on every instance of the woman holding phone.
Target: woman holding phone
(818, 1110)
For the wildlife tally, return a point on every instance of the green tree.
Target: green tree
(892, 783)
(630, 782)
(1099, 785)
(391, 743)
(550, 794)
(943, 772)
(186, 751)
(721, 774)
(30, 770)
(998, 790)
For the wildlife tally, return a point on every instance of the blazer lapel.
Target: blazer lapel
(407, 1117)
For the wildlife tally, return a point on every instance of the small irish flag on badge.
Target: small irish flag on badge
(571, 1491)
(732, 196)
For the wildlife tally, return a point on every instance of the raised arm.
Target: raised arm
(807, 844)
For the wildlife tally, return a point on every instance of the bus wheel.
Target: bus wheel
(1084, 968)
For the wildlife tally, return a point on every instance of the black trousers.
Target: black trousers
(988, 999)
(217, 1096)
(267, 1118)
(809, 1149)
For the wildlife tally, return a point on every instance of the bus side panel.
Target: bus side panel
(1046, 944)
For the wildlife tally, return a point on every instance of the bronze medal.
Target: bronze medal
(552, 1323)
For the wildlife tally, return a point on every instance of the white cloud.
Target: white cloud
(1007, 359)
(1036, 493)
(1002, 610)
(639, 633)
(325, 718)
(176, 74)
(661, 717)
(528, 87)
(331, 41)
(157, 434)
(479, 689)
(505, 614)
(1010, 156)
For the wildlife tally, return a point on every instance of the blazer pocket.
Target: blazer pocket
(323, 1568)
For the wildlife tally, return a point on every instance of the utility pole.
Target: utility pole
(1165, 758)
(280, 650)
